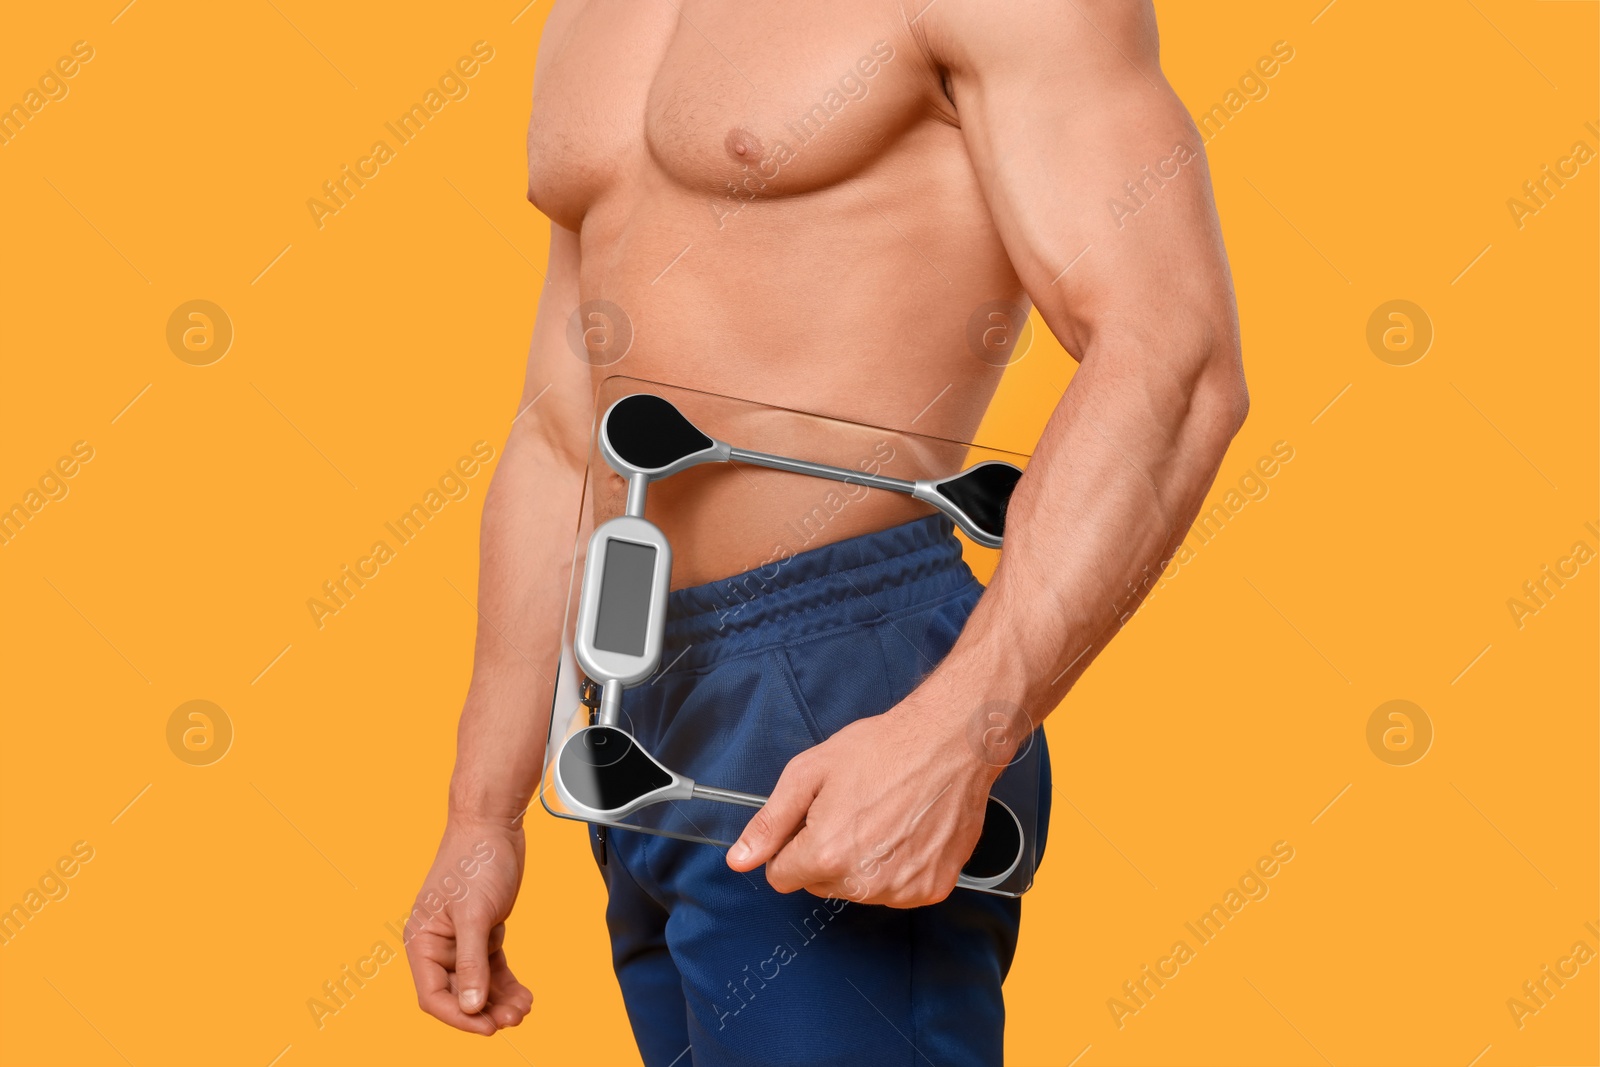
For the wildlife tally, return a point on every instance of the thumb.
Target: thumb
(785, 812)
(472, 961)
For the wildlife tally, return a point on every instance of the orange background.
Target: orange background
(370, 354)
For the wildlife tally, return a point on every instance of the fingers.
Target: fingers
(878, 875)
(472, 960)
(806, 862)
(772, 827)
(435, 973)
(509, 1000)
(426, 952)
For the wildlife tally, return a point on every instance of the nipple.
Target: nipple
(742, 145)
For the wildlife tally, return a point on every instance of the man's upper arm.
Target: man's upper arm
(1094, 173)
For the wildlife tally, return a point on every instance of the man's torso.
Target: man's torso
(779, 200)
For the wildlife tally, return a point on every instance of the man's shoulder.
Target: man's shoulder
(973, 35)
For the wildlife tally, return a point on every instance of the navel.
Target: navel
(742, 145)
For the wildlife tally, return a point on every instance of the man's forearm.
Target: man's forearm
(525, 562)
(526, 553)
(1118, 476)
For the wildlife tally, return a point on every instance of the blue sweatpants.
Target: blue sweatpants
(716, 968)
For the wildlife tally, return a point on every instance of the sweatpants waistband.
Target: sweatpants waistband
(863, 579)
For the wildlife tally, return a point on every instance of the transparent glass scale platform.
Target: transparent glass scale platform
(760, 520)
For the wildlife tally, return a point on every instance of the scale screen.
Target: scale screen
(625, 584)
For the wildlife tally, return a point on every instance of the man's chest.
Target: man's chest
(717, 98)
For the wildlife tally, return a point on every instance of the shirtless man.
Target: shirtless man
(803, 205)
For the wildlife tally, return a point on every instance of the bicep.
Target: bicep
(1094, 172)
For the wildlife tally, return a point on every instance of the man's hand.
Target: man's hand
(886, 811)
(457, 926)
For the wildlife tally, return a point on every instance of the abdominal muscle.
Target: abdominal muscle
(726, 518)
(855, 301)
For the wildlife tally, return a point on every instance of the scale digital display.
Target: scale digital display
(626, 582)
